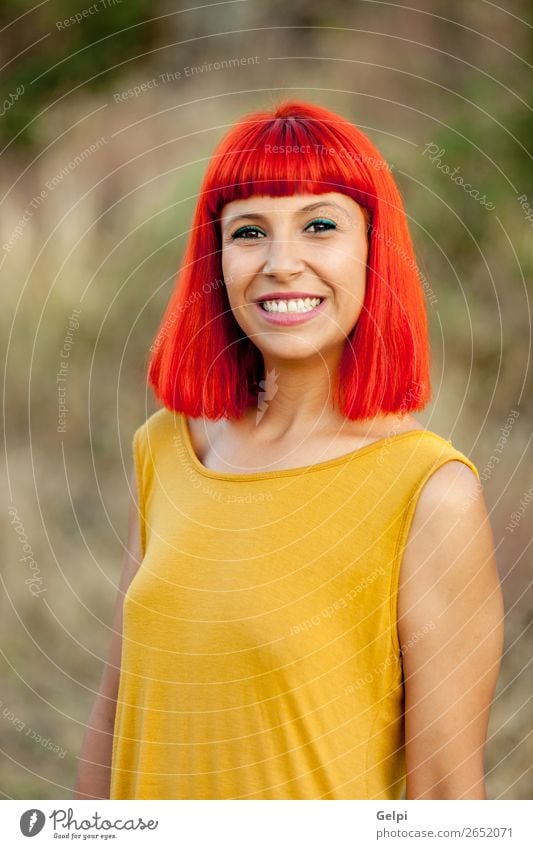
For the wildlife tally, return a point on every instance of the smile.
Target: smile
(291, 305)
(292, 311)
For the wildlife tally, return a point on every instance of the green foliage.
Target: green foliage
(69, 56)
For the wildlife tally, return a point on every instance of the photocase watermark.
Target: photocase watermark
(33, 821)
(20, 725)
(11, 99)
(524, 203)
(34, 583)
(494, 459)
(517, 515)
(62, 374)
(434, 156)
(339, 603)
(50, 185)
(198, 482)
(64, 819)
(186, 72)
(99, 6)
(377, 671)
(269, 388)
(376, 233)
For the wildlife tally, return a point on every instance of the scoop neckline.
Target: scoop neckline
(297, 470)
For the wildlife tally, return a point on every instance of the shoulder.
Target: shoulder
(453, 488)
(450, 506)
(162, 428)
(154, 436)
(449, 544)
(159, 422)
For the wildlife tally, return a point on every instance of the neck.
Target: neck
(296, 397)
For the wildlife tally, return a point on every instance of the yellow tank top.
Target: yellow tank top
(261, 655)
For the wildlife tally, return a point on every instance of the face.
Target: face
(305, 256)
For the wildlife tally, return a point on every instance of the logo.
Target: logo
(268, 390)
(31, 822)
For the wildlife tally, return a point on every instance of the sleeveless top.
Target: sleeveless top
(260, 652)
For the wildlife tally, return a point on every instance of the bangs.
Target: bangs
(284, 156)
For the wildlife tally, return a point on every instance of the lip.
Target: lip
(289, 317)
(285, 296)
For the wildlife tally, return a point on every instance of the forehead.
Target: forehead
(266, 204)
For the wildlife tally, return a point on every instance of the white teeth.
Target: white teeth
(293, 305)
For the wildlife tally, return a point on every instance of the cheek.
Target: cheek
(351, 273)
(225, 264)
(235, 271)
(345, 259)
(351, 280)
(235, 282)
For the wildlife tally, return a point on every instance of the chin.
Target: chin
(291, 349)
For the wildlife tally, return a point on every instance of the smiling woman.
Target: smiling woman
(311, 604)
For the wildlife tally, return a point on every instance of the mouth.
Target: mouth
(295, 304)
(283, 311)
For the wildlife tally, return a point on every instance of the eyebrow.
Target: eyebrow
(303, 209)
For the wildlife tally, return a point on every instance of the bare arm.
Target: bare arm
(449, 594)
(94, 770)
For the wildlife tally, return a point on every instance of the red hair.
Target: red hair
(203, 364)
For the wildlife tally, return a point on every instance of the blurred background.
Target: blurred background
(110, 114)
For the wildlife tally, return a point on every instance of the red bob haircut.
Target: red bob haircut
(202, 363)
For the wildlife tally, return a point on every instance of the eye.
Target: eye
(248, 232)
(242, 232)
(322, 222)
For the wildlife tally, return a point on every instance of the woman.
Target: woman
(312, 607)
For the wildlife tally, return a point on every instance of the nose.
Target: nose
(283, 259)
